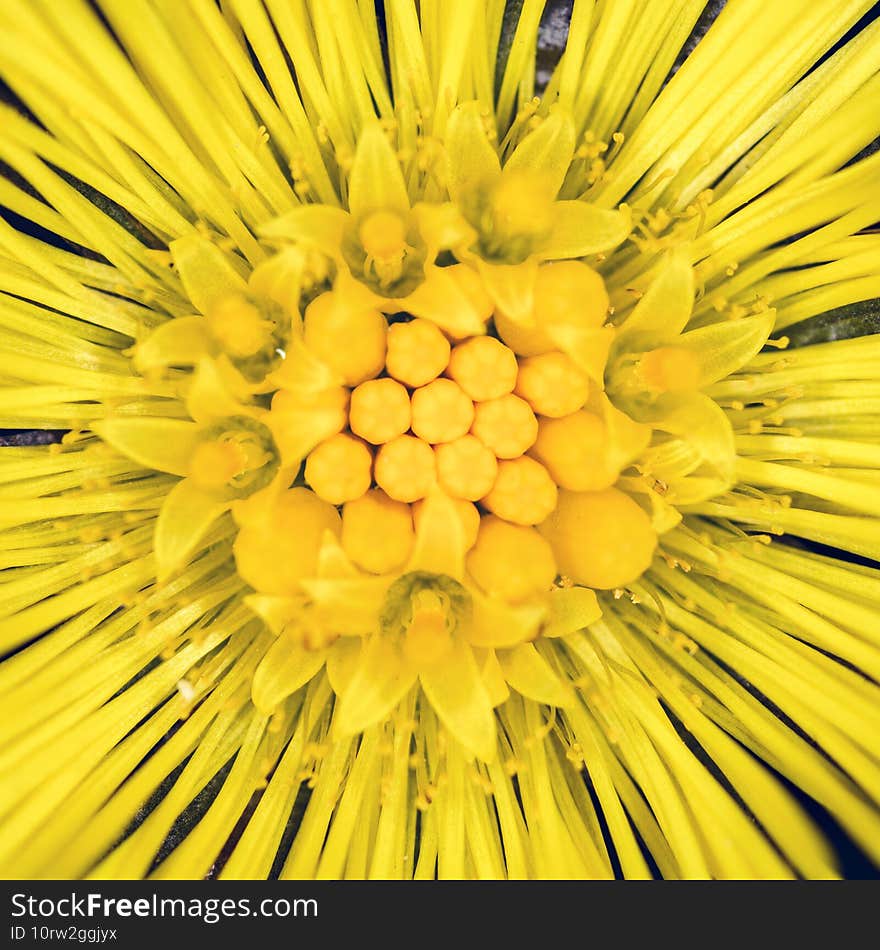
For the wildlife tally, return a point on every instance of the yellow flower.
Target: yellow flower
(434, 461)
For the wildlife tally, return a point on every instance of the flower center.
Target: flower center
(502, 433)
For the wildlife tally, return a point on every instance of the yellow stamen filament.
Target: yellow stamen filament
(238, 326)
(441, 411)
(273, 553)
(466, 468)
(671, 369)
(380, 410)
(552, 384)
(417, 352)
(484, 368)
(523, 493)
(427, 637)
(511, 561)
(330, 329)
(339, 469)
(215, 464)
(575, 451)
(505, 425)
(377, 532)
(601, 539)
(468, 514)
(405, 468)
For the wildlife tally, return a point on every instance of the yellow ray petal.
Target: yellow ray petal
(440, 543)
(495, 623)
(512, 288)
(546, 150)
(180, 342)
(205, 271)
(184, 518)
(580, 229)
(381, 678)
(283, 670)
(470, 157)
(376, 181)
(571, 609)
(162, 444)
(456, 691)
(666, 307)
(530, 674)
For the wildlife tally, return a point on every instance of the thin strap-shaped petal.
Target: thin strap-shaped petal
(722, 348)
(666, 307)
(205, 271)
(320, 226)
(162, 444)
(440, 543)
(470, 156)
(571, 609)
(380, 680)
(495, 623)
(530, 674)
(180, 342)
(376, 182)
(546, 150)
(444, 301)
(459, 697)
(283, 670)
(184, 519)
(512, 288)
(580, 228)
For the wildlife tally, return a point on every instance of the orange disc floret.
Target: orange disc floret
(348, 339)
(339, 469)
(505, 425)
(466, 468)
(273, 553)
(441, 411)
(380, 410)
(405, 468)
(377, 532)
(484, 367)
(511, 561)
(552, 384)
(523, 493)
(601, 539)
(417, 352)
(575, 450)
